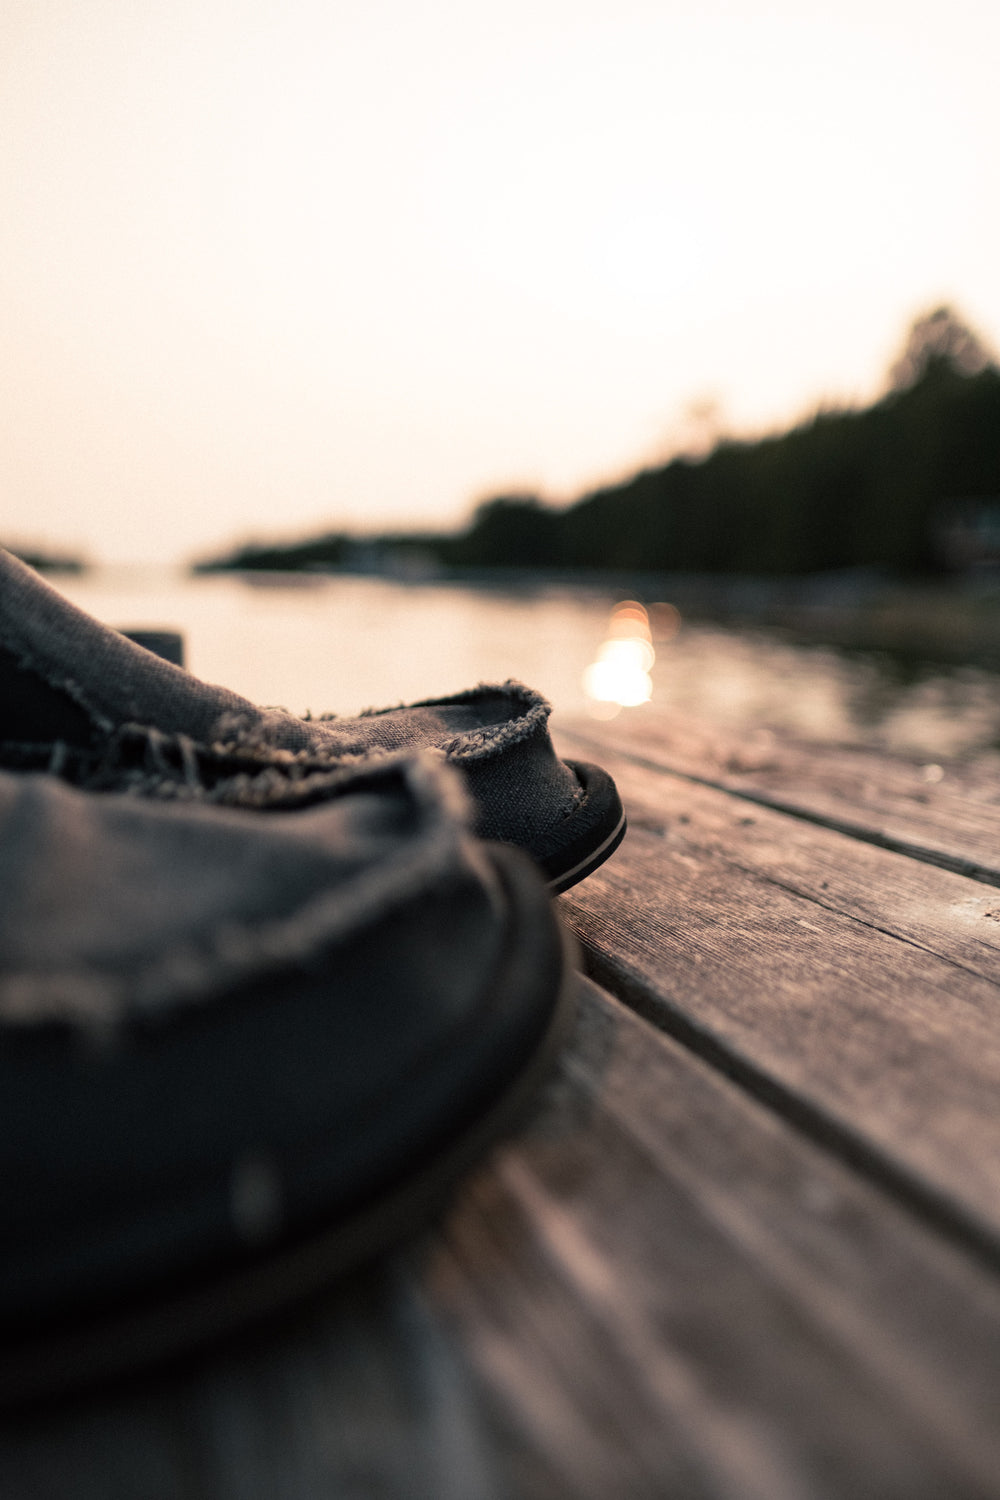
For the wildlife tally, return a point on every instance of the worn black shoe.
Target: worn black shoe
(239, 1054)
(88, 704)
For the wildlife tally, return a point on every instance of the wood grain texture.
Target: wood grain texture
(751, 1314)
(656, 1288)
(861, 986)
(952, 821)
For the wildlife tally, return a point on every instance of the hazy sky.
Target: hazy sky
(269, 266)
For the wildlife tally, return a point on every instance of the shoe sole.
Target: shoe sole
(590, 834)
(174, 1323)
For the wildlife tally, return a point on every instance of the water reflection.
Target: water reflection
(753, 677)
(619, 677)
(346, 643)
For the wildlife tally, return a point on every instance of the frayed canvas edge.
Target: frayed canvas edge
(492, 739)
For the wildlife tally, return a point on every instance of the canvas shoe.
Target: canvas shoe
(85, 702)
(239, 1054)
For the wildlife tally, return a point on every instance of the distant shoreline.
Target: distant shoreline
(48, 562)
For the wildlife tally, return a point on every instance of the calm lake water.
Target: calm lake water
(339, 644)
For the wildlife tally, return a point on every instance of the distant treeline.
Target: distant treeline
(882, 487)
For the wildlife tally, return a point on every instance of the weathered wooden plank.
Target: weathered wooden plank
(946, 814)
(858, 988)
(657, 1288)
(359, 1394)
(715, 1307)
(934, 908)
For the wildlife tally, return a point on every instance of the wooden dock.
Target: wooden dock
(748, 1243)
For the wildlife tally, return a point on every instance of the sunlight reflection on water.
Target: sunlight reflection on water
(339, 644)
(619, 677)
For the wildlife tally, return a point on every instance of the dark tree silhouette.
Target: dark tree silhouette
(939, 338)
(870, 487)
(510, 530)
